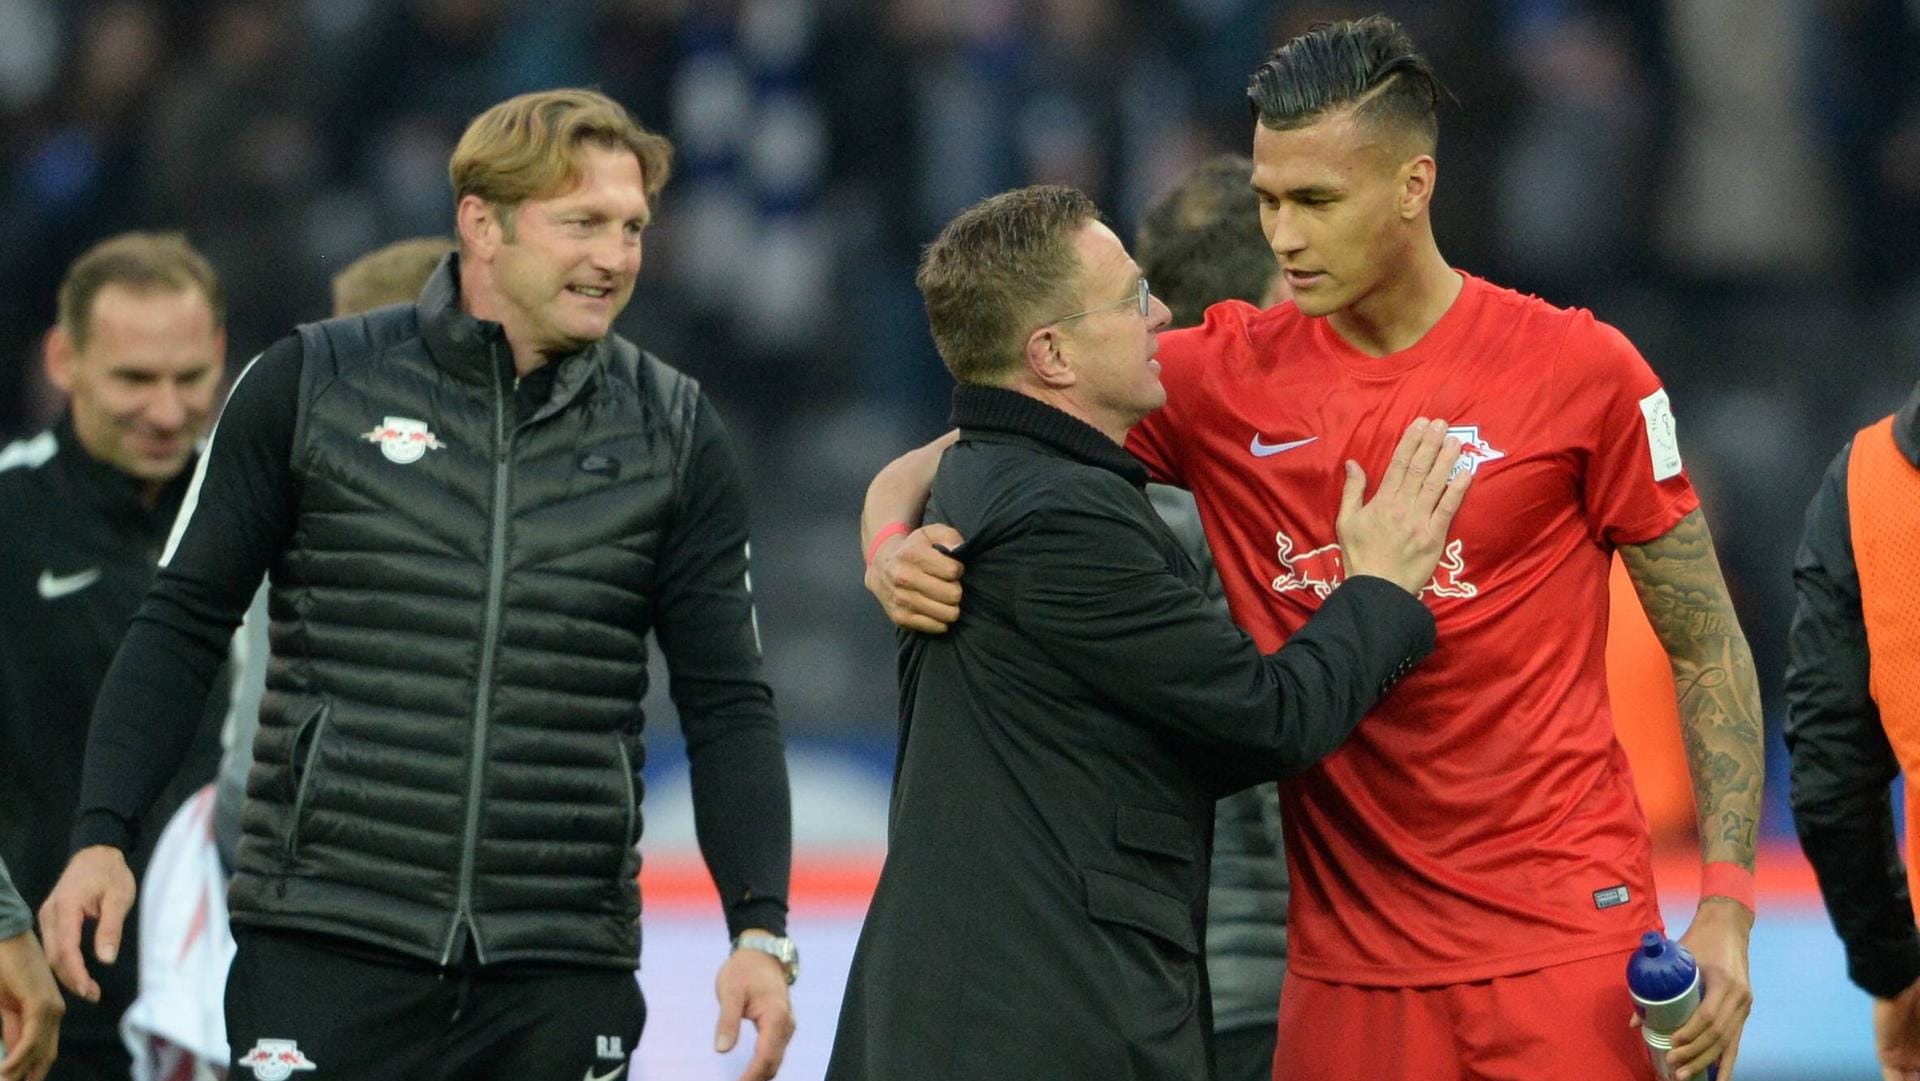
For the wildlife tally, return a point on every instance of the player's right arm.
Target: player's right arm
(237, 514)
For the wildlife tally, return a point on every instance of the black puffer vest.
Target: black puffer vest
(449, 747)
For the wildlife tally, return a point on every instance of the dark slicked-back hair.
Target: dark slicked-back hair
(1201, 243)
(1000, 269)
(1368, 64)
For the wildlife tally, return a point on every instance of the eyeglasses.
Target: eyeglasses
(1140, 300)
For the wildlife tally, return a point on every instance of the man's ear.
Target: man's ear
(57, 356)
(1045, 360)
(481, 230)
(1417, 178)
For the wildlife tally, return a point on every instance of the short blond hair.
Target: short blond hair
(996, 272)
(527, 147)
(390, 275)
(143, 262)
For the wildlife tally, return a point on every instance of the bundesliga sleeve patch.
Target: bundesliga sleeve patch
(1663, 441)
(1610, 897)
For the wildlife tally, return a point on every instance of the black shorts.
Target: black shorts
(307, 1008)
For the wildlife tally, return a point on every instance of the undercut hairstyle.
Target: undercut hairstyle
(998, 271)
(142, 262)
(1369, 65)
(1201, 242)
(394, 274)
(527, 147)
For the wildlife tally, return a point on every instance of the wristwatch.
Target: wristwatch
(780, 949)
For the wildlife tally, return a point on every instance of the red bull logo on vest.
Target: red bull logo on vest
(403, 439)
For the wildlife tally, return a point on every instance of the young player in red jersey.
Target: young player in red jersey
(1473, 867)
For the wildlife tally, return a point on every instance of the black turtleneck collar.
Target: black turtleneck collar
(477, 349)
(994, 409)
(119, 497)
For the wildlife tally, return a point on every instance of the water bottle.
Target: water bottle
(1665, 984)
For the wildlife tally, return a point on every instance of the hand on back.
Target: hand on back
(916, 583)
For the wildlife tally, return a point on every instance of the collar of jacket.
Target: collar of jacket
(1906, 428)
(992, 409)
(476, 350)
(117, 497)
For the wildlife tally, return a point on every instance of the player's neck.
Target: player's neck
(1403, 307)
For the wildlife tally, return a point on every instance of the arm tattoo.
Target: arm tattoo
(1678, 579)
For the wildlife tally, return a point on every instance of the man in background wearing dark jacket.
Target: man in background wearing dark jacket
(138, 348)
(1200, 244)
(1853, 720)
(1063, 745)
(474, 510)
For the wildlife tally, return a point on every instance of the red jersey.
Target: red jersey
(1481, 820)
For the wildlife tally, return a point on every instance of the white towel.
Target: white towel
(177, 1028)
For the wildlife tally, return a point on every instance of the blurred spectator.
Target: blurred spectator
(1745, 196)
(1867, 93)
(391, 275)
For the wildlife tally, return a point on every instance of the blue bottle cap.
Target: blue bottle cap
(1661, 969)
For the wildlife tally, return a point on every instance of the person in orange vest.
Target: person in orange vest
(1853, 721)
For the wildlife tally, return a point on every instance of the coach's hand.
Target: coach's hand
(916, 583)
(753, 985)
(1401, 534)
(1718, 941)
(95, 886)
(30, 1010)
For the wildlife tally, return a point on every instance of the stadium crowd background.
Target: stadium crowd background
(1734, 183)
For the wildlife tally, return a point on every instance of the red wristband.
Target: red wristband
(891, 529)
(1729, 880)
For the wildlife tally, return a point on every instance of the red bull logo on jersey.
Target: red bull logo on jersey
(275, 1060)
(403, 439)
(1320, 571)
(1474, 451)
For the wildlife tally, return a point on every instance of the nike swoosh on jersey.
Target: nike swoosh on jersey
(1266, 450)
(608, 1076)
(53, 586)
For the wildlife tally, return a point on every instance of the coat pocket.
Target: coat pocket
(1153, 947)
(1116, 900)
(632, 791)
(1157, 833)
(303, 765)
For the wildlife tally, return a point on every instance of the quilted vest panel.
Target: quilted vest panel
(450, 741)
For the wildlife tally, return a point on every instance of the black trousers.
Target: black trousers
(310, 1008)
(91, 1061)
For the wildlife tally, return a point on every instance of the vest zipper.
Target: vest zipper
(489, 645)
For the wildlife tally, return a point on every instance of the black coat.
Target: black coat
(1061, 749)
(1841, 762)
